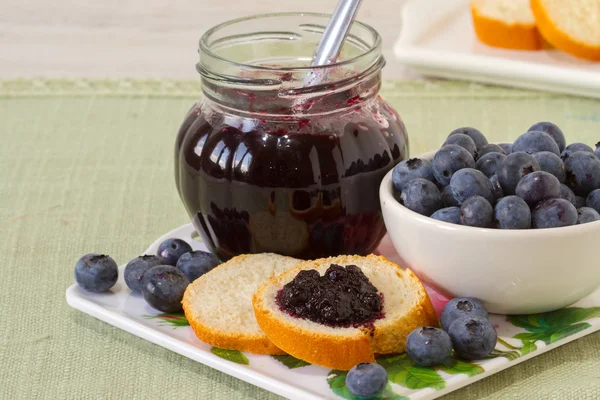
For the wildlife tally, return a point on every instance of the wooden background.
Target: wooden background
(143, 38)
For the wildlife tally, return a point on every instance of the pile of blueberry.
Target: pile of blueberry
(161, 278)
(536, 182)
(466, 329)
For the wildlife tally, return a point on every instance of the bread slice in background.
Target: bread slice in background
(572, 26)
(508, 24)
(218, 305)
(406, 307)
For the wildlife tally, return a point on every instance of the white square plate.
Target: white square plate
(534, 335)
(438, 39)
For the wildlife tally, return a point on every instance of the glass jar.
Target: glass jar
(280, 157)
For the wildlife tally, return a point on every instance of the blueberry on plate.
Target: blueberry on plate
(507, 147)
(196, 263)
(408, 170)
(421, 196)
(582, 172)
(163, 288)
(574, 147)
(551, 163)
(460, 307)
(579, 202)
(428, 346)
(567, 194)
(511, 212)
(463, 141)
(473, 133)
(473, 337)
(535, 141)
(366, 380)
(593, 200)
(587, 214)
(538, 186)
(496, 188)
(513, 168)
(448, 197)
(476, 211)
(448, 214)
(553, 213)
(552, 130)
(96, 272)
(136, 268)
(490, 148)
(171, 249)
(597, 151)
(470, 182)
(450, 159)
(489, 163)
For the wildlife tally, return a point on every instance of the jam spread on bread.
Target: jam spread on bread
(342, 297)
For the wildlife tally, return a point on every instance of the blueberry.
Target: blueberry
(461, 307)
(535, 141)
(507, 147)
(597, 151)
(574, 147)
(587, 214)
(553, 213)
(366, 380)
(469, 182)
(593, 200)
(552, 130)
(551, 163)
(421, 196)
(448, 214)
(463, 141)
(473, 337)
(511, 212)
(579, 202)
(538, 186)
(449, 159)
(567, 194)
(513, 168)
(473, 133)
(428, 346)
(408, 170)
(476, 211)
(490, 148)
(136, 268)
(583, 172)
(448, 197)
(496, 188)
(489, 163)
(196, 263)
(163, 287)
(96, 272)
(171, 249)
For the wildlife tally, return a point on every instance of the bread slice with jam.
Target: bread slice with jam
(406, 306)
(218, 305)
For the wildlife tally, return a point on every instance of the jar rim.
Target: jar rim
(205, 47)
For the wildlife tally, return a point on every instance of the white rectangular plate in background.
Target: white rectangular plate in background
(438, 39)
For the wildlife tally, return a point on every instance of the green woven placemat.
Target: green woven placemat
(86, 166)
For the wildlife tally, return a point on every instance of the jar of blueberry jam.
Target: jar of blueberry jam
(280, 157)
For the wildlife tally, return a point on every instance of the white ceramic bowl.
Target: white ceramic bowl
(511, 271)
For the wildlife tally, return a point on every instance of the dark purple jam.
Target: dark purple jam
(342, 297)
(306, 188)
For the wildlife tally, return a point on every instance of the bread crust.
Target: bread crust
(496, 33)
(343, 352)
(560, 39)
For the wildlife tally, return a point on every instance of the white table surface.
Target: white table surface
(143, 38)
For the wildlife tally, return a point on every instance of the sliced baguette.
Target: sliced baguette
(406, 307)
(572, 26)
(218, 305)
(507, 24)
